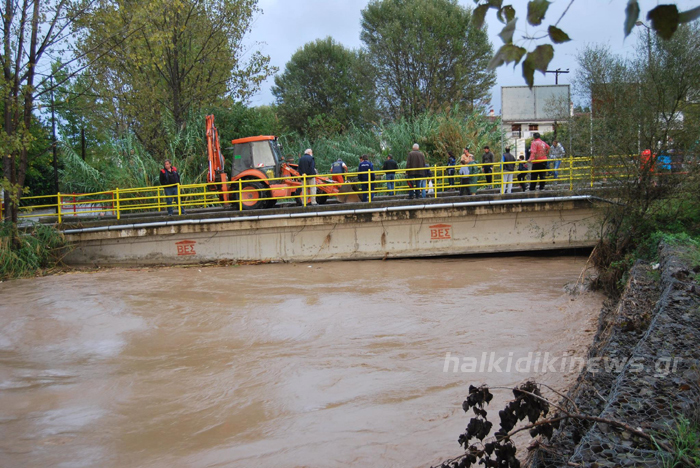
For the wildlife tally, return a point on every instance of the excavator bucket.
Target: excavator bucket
(347, 194)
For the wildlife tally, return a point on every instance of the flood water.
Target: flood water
(332, 364)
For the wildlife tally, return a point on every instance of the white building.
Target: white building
(525, 111)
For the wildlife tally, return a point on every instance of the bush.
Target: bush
(29, 252)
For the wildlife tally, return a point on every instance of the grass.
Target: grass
(685, 439)
(29, 252)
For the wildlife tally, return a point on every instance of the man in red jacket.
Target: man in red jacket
(170, 178)
(538, 157)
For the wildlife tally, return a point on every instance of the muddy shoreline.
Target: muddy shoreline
(646, 353)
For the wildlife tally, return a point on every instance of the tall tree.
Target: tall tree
(325, 87)
(31, 31)
(427, 55)
(183, 56)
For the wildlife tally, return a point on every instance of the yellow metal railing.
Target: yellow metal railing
(119, 202)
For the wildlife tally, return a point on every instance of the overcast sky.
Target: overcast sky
(286, 25)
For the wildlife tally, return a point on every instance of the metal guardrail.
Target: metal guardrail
(571, 171)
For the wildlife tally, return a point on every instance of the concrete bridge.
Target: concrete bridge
(390, 229)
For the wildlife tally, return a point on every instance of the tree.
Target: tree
(665, 20)
(325, 88)
(183, 56)
(428, 55)
(31, 31)
(643, 103)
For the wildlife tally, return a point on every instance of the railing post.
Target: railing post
(119, 208)
(158, 195)
(58, 206)
(240, 195)
(303, 188)
(571, 173)
(435, 181)
(179, 201)
(369, 185)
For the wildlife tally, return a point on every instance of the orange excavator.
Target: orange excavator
(257, 160)
(217, 173)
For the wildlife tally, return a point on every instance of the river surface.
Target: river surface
(329, 364)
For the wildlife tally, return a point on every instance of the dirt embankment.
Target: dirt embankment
(643, 370)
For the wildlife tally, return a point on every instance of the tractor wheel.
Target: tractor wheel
(271, 203)
(297, 199)
(321, 199)
(251, 200)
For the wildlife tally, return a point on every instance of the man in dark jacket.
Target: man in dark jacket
(451, 162)
(390, 165)
(487, 169)
(508, 170)
(339, 168)
(363, 176)
(307, 166)
(170, 179)
(415, 170)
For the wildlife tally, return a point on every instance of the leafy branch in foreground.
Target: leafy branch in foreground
(664, 19)
(500, 450)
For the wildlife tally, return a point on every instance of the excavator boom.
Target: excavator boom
(216, 161)
(216, 158)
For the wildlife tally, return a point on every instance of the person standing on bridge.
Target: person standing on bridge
(508, 169)
(170, 180)
(338, 168)
(487, 159)
(538, 157)
(307, 166)
(451, 162)
(556, 154)
(364, 170)
(522, 172)
(390, 165)
(464, 175)
(415, 170)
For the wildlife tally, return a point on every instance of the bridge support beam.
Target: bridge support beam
(389, 232)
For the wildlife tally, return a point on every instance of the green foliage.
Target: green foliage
(436, 133)
(163, 59)
(637, 103)
(428, 56)
(27, 253)
(325, 89)
(235, 120)
(684, 436)
(39, 175)
(125, 163)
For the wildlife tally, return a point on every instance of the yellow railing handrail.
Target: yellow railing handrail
(119, 201)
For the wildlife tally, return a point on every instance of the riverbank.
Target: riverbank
(647, 348)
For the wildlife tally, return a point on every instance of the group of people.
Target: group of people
(534, 166)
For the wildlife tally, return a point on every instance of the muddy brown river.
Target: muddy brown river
(329, 364)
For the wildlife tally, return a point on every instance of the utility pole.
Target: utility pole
(53, 143)
(557, 72)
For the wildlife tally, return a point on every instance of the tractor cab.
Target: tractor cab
(259, 153)
(263, 175)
